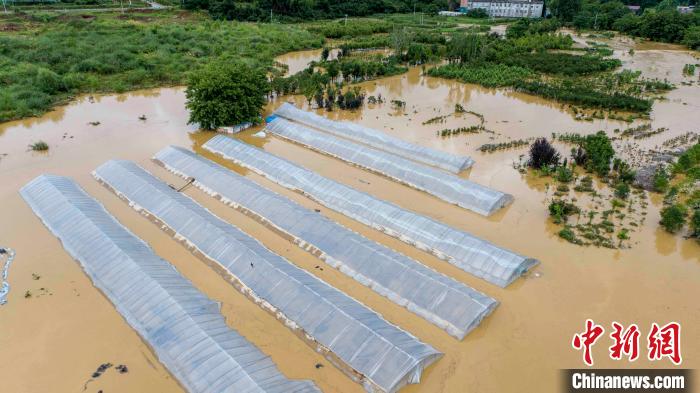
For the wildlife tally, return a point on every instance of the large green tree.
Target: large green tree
(565, 10)
(226, 93)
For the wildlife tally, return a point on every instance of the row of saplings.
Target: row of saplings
(596, 155)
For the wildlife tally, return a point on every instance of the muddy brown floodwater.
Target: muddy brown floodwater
(56, 328)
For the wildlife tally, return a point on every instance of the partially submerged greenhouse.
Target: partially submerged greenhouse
(377, 139)
(448, 187)
(183, 326)
(379, 354)
(441, 300)
(476, 256)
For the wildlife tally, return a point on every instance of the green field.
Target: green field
(47, 58)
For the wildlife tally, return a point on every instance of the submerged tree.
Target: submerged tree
(226, 93)
(673, 218)
(542, 154)
(599, 153)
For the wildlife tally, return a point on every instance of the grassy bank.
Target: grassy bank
(45, 58)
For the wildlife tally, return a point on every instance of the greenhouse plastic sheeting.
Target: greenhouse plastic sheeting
(441, 300)
(445, 186)
(377, 139)
(182, 325)
(473, 255)
(386, 356)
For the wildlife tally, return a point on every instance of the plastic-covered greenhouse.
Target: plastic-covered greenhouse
(358, 339)
(443, 301)
(377, 139)
(183, 326)
(448, 187)
(471, 254)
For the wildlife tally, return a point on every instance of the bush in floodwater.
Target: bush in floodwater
(226, 93)
(542, 154)
(624, 171)
(564, 174)
(599, 153)
(673, 218)
(622, 190)
(623, 234)
(560, 210)
(569, 235)
(660, 180)
(39, 146)
(579, 155)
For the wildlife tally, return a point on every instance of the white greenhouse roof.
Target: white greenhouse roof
(449, 304)
(385, 356)
(377, 139)
(183, 326)
(446, 186)
(476, 256)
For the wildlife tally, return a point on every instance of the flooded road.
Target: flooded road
(56, 328)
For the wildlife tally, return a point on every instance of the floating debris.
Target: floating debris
(100, 370)
(236, 129)
(8, 255)
(260, 134)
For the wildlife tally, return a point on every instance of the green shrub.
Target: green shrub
(560, 210)
(691, 39)
(623, 234)
(660, 181)
(622, 190)
(599, 153)
(39, 146)
(226, 94)
(61, 57)
(689, 159)
(567, 234)
(564, 174)
(673, 217)
(616, 203)
(624, 171)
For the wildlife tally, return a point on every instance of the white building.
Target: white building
(505, 8)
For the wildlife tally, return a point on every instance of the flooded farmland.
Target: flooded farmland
(56, 328)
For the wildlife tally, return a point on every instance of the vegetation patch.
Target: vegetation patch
(39, 146)
(57, 59)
